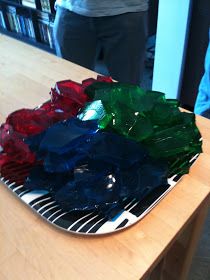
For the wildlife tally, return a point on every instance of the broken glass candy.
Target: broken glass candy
(97, 143)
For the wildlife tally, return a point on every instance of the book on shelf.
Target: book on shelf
(29, 28)
(20, 22)
(23, 25)
(51, 36)
(29, 3)
(45, 24)
(2, 20)
(11, 15)
(45, 6)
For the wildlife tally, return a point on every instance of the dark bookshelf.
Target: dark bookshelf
(18, 4)
(31, 23)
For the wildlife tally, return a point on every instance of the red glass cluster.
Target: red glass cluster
(67, 98)
(14, 149)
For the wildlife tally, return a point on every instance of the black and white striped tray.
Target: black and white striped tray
(88, 222)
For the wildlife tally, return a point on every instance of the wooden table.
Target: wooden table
(161, 245)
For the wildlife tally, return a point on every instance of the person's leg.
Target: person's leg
(75, 38)
(123, 39)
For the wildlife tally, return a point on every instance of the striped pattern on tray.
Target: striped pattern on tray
(86, 222)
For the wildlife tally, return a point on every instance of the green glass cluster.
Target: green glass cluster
(146, 117)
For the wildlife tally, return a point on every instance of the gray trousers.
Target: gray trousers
(122, 38)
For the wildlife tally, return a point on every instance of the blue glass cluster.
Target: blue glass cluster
(86, 168)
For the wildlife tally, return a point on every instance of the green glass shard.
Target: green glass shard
(92, 111)
(148, 117)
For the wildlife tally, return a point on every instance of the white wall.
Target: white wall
(171, 36)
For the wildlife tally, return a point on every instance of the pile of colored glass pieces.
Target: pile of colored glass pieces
(96, 143)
